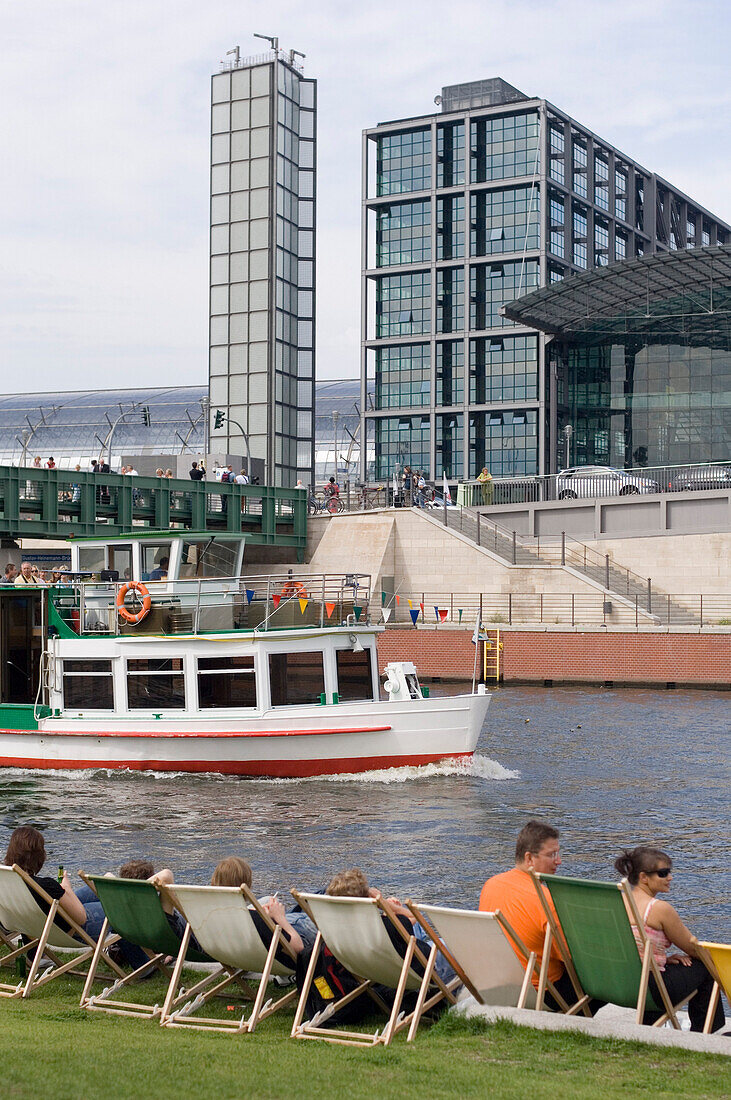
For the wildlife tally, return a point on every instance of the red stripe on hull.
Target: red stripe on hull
(269, 769)
(50, 732)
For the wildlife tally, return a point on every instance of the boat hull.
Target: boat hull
(349, 738)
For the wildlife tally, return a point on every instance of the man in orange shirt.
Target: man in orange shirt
(514, 894)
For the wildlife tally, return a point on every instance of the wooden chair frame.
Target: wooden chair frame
(96, 950)
(105, 1002)
(396, 1019)
(718, 984)
(531, 968)
(647, 955)
(171, 1017)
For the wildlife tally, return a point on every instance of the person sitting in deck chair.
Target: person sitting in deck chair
(124, 952)
(234, 871)
(354, 884)
(514, 894)
(649, 872)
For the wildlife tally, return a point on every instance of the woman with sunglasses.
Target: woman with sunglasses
(650, 873)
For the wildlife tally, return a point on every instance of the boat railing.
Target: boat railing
(214, 605)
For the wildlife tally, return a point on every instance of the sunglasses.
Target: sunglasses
(663, 872)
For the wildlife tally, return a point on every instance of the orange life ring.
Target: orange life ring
(294, 588)
(134, 586)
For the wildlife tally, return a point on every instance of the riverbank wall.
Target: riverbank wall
(698, 658)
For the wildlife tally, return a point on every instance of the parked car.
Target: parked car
(701, 477)
(601, 481)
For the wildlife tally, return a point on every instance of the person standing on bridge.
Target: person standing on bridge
(485, 481)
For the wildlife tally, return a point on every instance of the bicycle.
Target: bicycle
(332, 505)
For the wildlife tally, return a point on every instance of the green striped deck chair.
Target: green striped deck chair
(133, 908)
(596, 941)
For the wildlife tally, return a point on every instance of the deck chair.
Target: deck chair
(717, 957)
(133, 908)
(478, 947)
(222, 920)
(21, 914)
(354, 931)
(595, 938)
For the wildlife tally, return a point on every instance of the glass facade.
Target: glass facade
(646, 404)
(499, 195)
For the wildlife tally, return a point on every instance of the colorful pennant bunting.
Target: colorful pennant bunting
(329, 608)
(442, 613)
(414, 612)
(386, 612)
(303, 605)
(275, 600)
(357, 612)
(249, 595)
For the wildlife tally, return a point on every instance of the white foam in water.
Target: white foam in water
(480, 767)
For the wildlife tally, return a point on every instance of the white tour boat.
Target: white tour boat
(155, 652)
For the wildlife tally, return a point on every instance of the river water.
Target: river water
(609, 767)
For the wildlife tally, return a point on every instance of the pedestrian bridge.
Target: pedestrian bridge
(61, 504)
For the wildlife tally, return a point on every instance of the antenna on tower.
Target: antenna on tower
(274, 42)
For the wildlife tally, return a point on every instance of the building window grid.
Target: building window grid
(402, 441)
(450, 154)
(507, 220)
(403, 304)
(580, 229)
(450, 227)
(503, 147)
(557, 218)
(601, 182)
(503, 369)
(402, 376)
(491, 285)
(580, 160)
(449, 445)
(450, 299)
(620, 194)
(505, 442)
(403, 162)
(601, 242)
(449, 372)
(403, 233)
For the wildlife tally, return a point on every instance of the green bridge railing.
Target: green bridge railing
(65, 504)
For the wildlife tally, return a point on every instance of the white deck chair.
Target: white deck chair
(477, 946)
(354, 931)
(21, 914)
(221, 919)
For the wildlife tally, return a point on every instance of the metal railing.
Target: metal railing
(212, 605)
(60, 503)
(557, 609)
(579, 483)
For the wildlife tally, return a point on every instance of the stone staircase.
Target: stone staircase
(566, 553)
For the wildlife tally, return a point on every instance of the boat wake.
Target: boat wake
(479, 767)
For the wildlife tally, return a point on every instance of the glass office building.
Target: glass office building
(262, 267)
(464, 211)
(641, 353)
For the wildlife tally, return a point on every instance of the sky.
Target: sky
(104, 132)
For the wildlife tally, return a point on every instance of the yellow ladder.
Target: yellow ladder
(492, 656)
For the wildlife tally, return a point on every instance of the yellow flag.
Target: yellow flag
(303, 605)
(410, 604)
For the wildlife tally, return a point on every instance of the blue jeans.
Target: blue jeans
(304, 928)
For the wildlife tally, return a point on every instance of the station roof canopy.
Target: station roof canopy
(680, 297)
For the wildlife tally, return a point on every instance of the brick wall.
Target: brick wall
(591, 657)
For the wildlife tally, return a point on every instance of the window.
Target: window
(88, 685)
(450, 154)
(155, 559)
(557, 147)
(156, 682)
(620, 195)
(208, 558)
(601, 182)
(450, 227)
(503, 368)
(503, 147)
(493, 284)
(620, 245)
(227, 681)
(450, 299)
(403, 304)
(401, 441)
(355, 676)
(580, 161)
(402, 375)
(449, 372)
(296, 678)
(403, 233)
(403, 162)
(449, 444)
(504, 221)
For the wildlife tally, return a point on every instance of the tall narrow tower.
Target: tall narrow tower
(262, 268)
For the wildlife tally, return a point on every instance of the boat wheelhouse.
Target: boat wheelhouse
(156, 652)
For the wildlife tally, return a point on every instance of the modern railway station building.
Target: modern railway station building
(497, 196)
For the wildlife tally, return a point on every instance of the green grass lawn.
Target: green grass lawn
(49, 1046)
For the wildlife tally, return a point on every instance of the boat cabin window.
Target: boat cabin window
(296, 678)
(88, 685)
(120, 558)
(92, 559)
(208, 558)
(156, 682)
(355, 676)
(154, 561)
(226, 681)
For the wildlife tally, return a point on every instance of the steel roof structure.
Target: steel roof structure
(683, 295)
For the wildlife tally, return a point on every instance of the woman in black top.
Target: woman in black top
(27, 849)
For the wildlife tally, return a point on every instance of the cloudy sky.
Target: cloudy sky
(105, 118)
